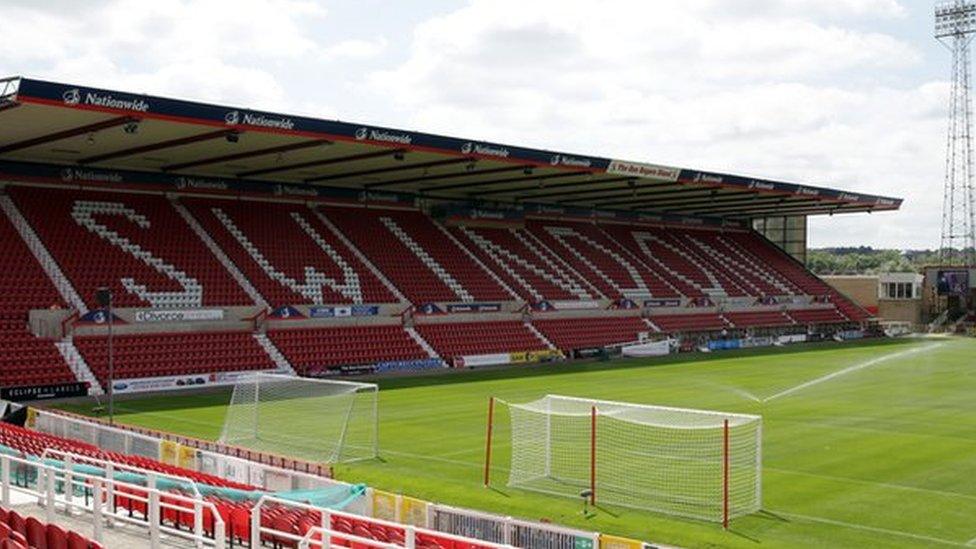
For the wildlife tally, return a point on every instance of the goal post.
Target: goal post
(320, 420)
(693, 463)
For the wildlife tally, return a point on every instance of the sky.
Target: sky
(850, 94)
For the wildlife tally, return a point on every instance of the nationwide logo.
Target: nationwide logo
(381, 197)
(849, 196)
(76, 97)
(884, 202)
(486, 214)
(383, 135)
(294, 190)
(486, 150)
(234, 118)
(72, 174)
(708, 178)
(565, 160)
(72, 97)
(197, 183)
(762, 185)
(807, 191)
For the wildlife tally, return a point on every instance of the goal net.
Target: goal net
(312, 419)
(692, 463)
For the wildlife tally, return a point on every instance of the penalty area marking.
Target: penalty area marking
(853, 368)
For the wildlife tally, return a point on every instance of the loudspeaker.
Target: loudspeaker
(103, 296)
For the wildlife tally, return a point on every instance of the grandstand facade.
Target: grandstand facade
(235, 240)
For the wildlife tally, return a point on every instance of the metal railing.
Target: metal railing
(56, 487)
(410, 533)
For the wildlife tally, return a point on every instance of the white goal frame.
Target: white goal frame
(699, 464)
(318, 405)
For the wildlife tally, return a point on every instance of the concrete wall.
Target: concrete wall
(901, 310)
(862, 289)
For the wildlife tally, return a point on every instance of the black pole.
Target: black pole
(103, 297)
(111, 365)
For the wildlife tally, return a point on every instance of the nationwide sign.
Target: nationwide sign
(136, 106)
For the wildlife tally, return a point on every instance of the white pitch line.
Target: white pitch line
(971, 542)
(874, 483)
(854, 368)
(874, 529)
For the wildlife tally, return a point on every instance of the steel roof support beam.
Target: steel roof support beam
(438, 177)
(65, 134)
(391, 169)
(507, 180)
(280, 149)
(219, 134)
(322, 162)
(632, 196)
(559, 186)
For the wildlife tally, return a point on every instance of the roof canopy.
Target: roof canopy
(78, 126)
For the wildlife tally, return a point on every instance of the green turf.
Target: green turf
(879, 456)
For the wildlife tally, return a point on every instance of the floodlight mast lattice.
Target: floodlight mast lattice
(955, 25)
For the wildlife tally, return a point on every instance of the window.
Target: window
(898, 290)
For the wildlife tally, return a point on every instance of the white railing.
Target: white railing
(410, 533)
(110, 468)
(227, 467)
(19, 474)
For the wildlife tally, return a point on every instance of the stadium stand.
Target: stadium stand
(683, 323)
(828, 315)
(152, 355)
(19, 532)
(419, 258)
(135, 243)
(311, 350)
(26, 360)
(758, 319)
(528, 267)
(568, 334)
(287, 253)
(480, 338)
(614, 270)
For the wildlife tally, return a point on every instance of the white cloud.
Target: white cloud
(208, 50)
(806, 90)
(356, 49)
(757, 87)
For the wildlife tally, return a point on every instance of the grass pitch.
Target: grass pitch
(865, 445)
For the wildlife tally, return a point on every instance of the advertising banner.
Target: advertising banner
(570, 305)
(473, 361)
(186, 315)
(641, 169)
(166, 383)
(286, 313)
(343, 311)
(724, 344)
(653, 303)
(474, 307)
(43, 392)
(406, 365)
(656, 348)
